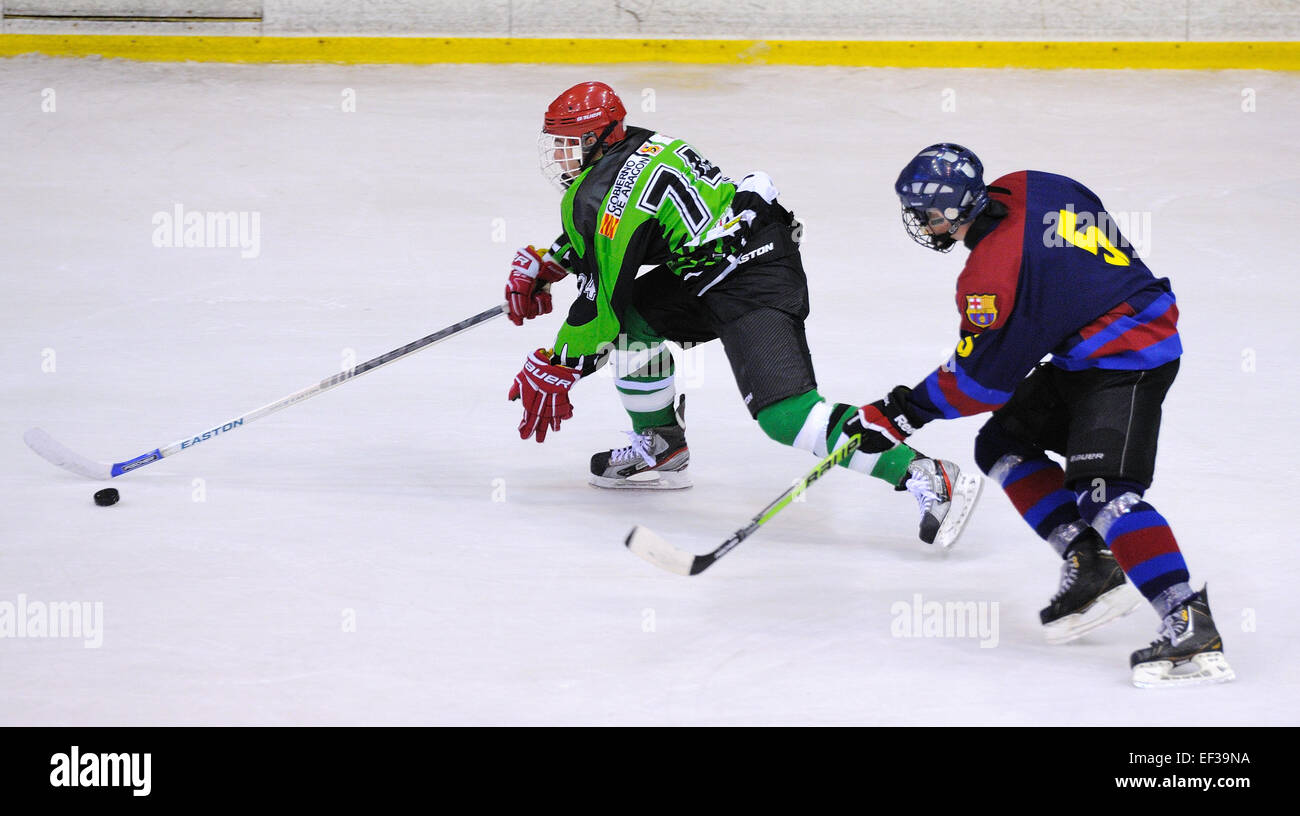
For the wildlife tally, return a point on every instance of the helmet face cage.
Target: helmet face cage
(917, 222)
(561, 158)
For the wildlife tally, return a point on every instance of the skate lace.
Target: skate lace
(640, 447)
(1170, 628)
(1069, 573)
(919, 486)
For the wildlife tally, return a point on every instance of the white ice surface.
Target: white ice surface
(375, 502)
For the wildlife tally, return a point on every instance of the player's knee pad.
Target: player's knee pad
(993, 442)
(645, 362)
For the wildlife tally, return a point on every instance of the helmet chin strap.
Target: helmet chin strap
(589, 156)
(951, 235)
(943, 242)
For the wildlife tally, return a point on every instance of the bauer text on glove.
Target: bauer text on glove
(543, 389)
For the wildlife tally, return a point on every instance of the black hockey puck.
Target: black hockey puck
(106, 497)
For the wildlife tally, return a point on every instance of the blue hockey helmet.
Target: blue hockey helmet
(945, 177)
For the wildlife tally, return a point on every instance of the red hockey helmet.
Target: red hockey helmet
(579, 124)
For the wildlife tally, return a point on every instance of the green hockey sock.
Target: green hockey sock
(807, 421)
(648, 392)
(644, 375)
(892, 464)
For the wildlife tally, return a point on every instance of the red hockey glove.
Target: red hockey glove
(883, 423)
(544, 389)
(528, 289)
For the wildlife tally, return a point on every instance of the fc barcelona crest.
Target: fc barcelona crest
(982, 310)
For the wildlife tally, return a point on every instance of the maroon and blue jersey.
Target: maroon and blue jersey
(1053, 276)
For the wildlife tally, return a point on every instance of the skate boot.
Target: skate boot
(1188, 652)
(1093, 591)
(945, 496)
(656, 459)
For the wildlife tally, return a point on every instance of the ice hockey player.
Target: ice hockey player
(726, 266)
(1049, 273)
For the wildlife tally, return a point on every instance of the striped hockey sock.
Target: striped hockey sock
(810, 423)
(647, 392)
(1036, 488)
(1143, 544)
(1034, 483)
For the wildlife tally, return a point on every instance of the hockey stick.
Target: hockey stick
(48, 448)
(655, 549)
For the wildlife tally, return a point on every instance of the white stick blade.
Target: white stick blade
(653, 548)
(52, 451)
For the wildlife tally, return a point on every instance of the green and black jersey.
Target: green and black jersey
(646, 202)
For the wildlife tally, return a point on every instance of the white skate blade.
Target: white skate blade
(649, 480)
(965, 493)
(1108, 607)
(655, 549)
(1203, 669)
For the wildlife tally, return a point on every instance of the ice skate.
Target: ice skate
(1188, 652)
(656, 459)
(1093, 591)
(945, 496)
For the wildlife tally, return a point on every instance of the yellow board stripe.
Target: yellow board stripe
(1278, 56)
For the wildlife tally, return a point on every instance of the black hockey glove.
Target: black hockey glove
(884, 423)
